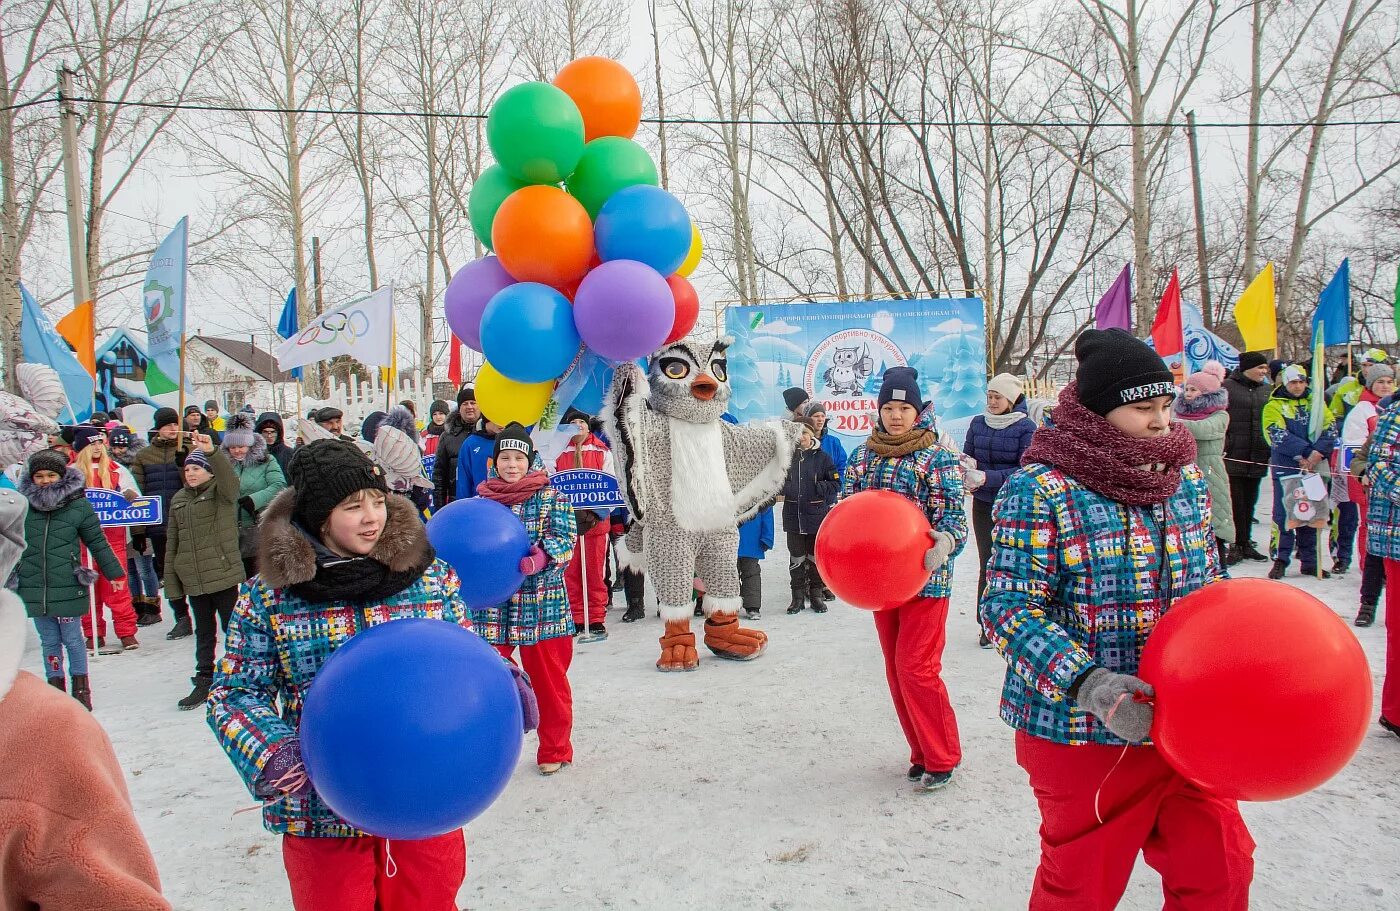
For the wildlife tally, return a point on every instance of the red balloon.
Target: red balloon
(870, 549)
(687, 308)
(1263, 693)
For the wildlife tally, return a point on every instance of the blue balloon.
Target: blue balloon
(528, 334)
(411, 729)
(645, 224)
(484, 542)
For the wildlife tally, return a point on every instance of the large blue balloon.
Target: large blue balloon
(528, 334)
(411, 729)
(484, 542)
(645, 224)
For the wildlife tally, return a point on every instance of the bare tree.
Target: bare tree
(550, 33)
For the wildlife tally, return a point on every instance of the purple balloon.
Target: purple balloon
(624, 309)
(467, 295)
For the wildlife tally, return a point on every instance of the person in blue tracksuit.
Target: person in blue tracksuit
(474, 459)
(755, 540)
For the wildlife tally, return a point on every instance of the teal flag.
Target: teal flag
(42, 344)
(163, 298)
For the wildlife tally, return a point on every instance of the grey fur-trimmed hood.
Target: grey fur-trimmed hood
(47, 499)
(286, 555)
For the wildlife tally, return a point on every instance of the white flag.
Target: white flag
(362, 329)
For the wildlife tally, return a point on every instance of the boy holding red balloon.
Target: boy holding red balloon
(903, 455)
(338, 554)
(1103, 529)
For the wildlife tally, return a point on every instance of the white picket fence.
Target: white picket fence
(359, 398)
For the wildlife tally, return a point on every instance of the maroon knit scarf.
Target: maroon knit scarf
(513, 493)
(1098, 455)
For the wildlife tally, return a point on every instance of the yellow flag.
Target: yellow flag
(1254, 313)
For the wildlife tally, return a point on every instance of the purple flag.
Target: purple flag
(1115, 309)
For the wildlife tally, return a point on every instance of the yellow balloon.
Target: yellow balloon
(503, 400)
(692, 259)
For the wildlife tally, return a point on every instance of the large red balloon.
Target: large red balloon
(870, 549)
(687, 308)
(1263, 693)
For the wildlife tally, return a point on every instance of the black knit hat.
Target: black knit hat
(1115, 368)
(84, 434)
(1251, 359)
(369, 428)
(325, 472)
(513, 436)
(46, 460)
(165, 417)
(901, 384)
(193, 409)
(465, 394)
(794, 396)
(575, 414)
(440, 407)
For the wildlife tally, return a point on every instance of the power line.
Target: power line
(724, 121)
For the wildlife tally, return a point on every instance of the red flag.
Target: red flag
(454, 361)
(1167, 335)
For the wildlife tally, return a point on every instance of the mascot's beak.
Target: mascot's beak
(704, 387)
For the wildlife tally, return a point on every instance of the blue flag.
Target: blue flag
(1334, 308)
(163, 298)
(42, 344)
(287, 324)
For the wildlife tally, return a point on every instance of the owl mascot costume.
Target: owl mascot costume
(690, 479)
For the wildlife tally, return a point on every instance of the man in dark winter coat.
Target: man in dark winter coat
(197, 422)
(157, 469)
(459, 426)
(1246, 449)
(274, 435)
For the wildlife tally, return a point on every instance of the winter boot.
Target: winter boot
(828, 594)
(197, 695)
(129, 643)
(1339, 568)
(635, 611)
(181, 630)
(147, 611)
(81, 692)
(1224, 551)
(916, 772)
(799, 601)
(700, 605)
(1278, 569)
(60, 683)
(597, 631)
(933, 781)
(1366, 615)
(1250, 552)
(815, 600)
(1233, 555)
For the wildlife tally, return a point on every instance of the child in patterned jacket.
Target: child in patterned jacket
(904, 455)
(537, 620)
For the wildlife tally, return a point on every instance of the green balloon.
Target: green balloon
(536, 133)
(609, 163)
(490, 190)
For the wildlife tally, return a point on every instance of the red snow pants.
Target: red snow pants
(912, 637)
(115, 596)
(1196, 841)
(593, 547)
(353, 874)
(547, 663)
(1390, 689)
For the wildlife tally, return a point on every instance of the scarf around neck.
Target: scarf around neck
(512, 494)
(355, 578)
(1003, 421)
(1128, 470)
(893, 446)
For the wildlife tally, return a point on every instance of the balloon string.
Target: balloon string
(290, 782)
(391, 869)
(1099, 791)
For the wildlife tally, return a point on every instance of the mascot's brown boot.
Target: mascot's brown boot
(678, 648)
(727, 639)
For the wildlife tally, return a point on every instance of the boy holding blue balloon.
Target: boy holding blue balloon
(338, 555)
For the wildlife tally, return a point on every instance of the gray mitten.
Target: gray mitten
(1111, 698)
(939, 553)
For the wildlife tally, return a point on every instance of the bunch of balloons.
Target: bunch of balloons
(601, 261)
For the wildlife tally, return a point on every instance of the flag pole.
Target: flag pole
(182, 382)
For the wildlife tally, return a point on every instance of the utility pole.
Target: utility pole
(72, 187)
(323, 385)
(1207, 311)
(427, 344)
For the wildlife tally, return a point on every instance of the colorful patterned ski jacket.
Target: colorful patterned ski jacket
(277, 643)
(1383, 472)
(1286, 421)
(540, 610)
(1075, 580)
(932, 478)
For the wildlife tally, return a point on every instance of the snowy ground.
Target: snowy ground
(773, 785)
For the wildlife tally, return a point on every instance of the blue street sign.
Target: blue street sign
(428, 463)
(113, 510)
(587, 488)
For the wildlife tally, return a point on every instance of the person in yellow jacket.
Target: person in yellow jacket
(1295, 450)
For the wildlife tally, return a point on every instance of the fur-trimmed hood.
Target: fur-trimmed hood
(257, 452)
(47, 499)
(287, 556)
(401, 419)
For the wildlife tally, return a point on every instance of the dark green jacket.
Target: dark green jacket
(201, 547)
(60, 519)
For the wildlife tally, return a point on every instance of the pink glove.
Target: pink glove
(534, 561)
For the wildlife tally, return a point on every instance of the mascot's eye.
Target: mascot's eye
(675, 368)
(720, 369)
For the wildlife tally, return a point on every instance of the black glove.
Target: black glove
(586, 520)
(247, 503)
(1110, 698)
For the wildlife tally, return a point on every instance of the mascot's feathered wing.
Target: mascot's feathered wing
(689, 479)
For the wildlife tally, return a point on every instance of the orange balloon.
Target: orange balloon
(606, 95)
(542, 234)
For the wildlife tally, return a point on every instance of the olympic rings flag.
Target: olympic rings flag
(363, 329)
